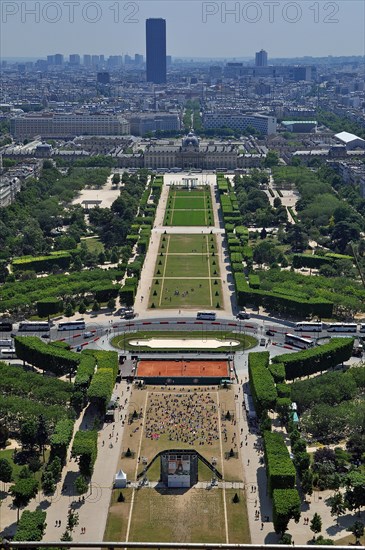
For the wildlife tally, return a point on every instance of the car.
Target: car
(79, 348)
(45, 336)
(88, 334)
(262, 341)
(270, 333)
(129, 315)
(243, 315)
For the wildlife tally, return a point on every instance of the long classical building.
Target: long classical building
(191, 153)
(54, 125)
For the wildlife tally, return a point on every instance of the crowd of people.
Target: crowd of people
(190, 418)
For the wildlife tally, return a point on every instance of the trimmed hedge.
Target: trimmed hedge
(60, 439)
(85, 446)
(85, 370)
(103, 380)
(254, 280)
(280, 302)
(284, 390)
(31, 526)
(45, 356)
(49, 306)
(280, 468)
(261, 382)
(311, 261)
(43, 263)
(278, 372)
(286, 506)
(310, 361)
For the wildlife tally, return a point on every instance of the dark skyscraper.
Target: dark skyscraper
(261, 59)
(156, 50)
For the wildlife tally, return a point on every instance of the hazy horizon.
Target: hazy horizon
(195, 29)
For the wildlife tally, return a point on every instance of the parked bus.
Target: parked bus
(6, 343)
(6, 326)
(342, 327)
(299, 341)
(362, 327)
(8, 353)
(71, 325)
(33, 326)
(308, 327)
(206, 316)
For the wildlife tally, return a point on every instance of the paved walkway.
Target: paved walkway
(94, 510)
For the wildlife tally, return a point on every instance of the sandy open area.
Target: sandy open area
(183, 343)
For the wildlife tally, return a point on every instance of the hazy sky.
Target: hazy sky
(194, 28)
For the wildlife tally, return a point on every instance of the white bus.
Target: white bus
(33, 326)
(362, 327)
(8, 353)
(6, 343)
(206, 315)
(308, 327)
(299, 341)
(71, 325)
(342, 327)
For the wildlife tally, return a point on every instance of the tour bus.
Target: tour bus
(6, 326)
(299, 341)
(8, 353)
(342, 327)
(308, 327)
(6, 343)
(71, 325)
(33, 326)
(362, 327)
(206, 316)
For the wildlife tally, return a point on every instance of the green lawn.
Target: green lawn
(94, 245)
(192, 203)
(191, 218)
(189, 208)
(8, 455)
(186, 273)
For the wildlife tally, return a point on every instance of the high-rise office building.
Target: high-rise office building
(156, 50)
(75, 59)
(261, 59)
(87, 60)
(58, 59)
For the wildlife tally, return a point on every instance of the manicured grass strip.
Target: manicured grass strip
(122, 340)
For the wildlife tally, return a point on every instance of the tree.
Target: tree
(69, 310)
(95, 306)
(48, 483)
(42, 434)
(72, 520)
(355, 493)
(66, 536)
(111, 303)
(114, 257)
(101, 258)
(28, 434)
(6, 471)
(357, 529)
(4, 434)
(23, 491)
(82, 308)
(272, 159)
(307, 482)
(337, 504)
(81, 485)
(316, 524)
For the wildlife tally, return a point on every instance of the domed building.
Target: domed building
(191, 153)
(190, 142)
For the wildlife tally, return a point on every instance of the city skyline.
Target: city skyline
(242, 28)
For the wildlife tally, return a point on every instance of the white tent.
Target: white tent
(120, 480)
